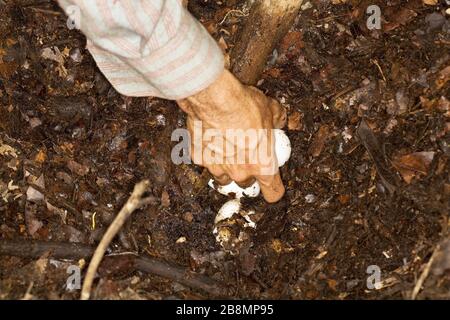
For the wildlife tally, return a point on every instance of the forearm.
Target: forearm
(221, 101)
(149, 47)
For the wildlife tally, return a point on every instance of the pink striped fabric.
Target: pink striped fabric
(148, 47)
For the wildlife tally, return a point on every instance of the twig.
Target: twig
(28, 295)
(133, 203)
(181, 275)
(238, 13)
(375, 62)
(54, 13)
(34, 3)
(150, 265)
(424, 274)
(35, 249)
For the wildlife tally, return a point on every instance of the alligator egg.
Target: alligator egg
(282, 147)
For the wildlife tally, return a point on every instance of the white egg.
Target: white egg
(282, 147)
(227, 210)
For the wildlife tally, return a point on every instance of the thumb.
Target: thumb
(279, 115)
(272, 187)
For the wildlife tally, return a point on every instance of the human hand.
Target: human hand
(246, 155)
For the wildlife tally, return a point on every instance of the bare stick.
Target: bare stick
(35, 249)
(424, 274)
(268, 22)
(133, 203)
(150, 265)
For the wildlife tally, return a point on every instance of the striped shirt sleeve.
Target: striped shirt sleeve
(148, 47)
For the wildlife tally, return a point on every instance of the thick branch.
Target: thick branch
(268, 22)
(133, 203)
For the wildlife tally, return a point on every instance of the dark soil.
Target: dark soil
(352, 203)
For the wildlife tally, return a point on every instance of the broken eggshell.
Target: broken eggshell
(226, 226)
(233, 188)
(231, 208)
(226, 230)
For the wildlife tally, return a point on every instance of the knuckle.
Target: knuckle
(240, 177)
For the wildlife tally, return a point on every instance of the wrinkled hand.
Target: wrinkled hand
(228, 104)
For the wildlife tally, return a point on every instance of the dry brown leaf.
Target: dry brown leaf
(53, 54)
(223, 44)
(227, 62)
(403, 17)
(442, 104)
(292, 43)
(247, 262)
(67, 148)
(414, 164)
(6, 150)
(165, 199)
(277, 245)
(41, 156)
(430, 2)
(57, 56)
(295, 121)
(33, 195)
(77, 168)
(66, 52)
(274, 72)
(447, 189)
(318, 143)
(332, 284)
(443, 78)
(427, 103)
(7, 69)
(344, 198)
(211, 26)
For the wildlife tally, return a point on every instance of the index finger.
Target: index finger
(272, 187)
